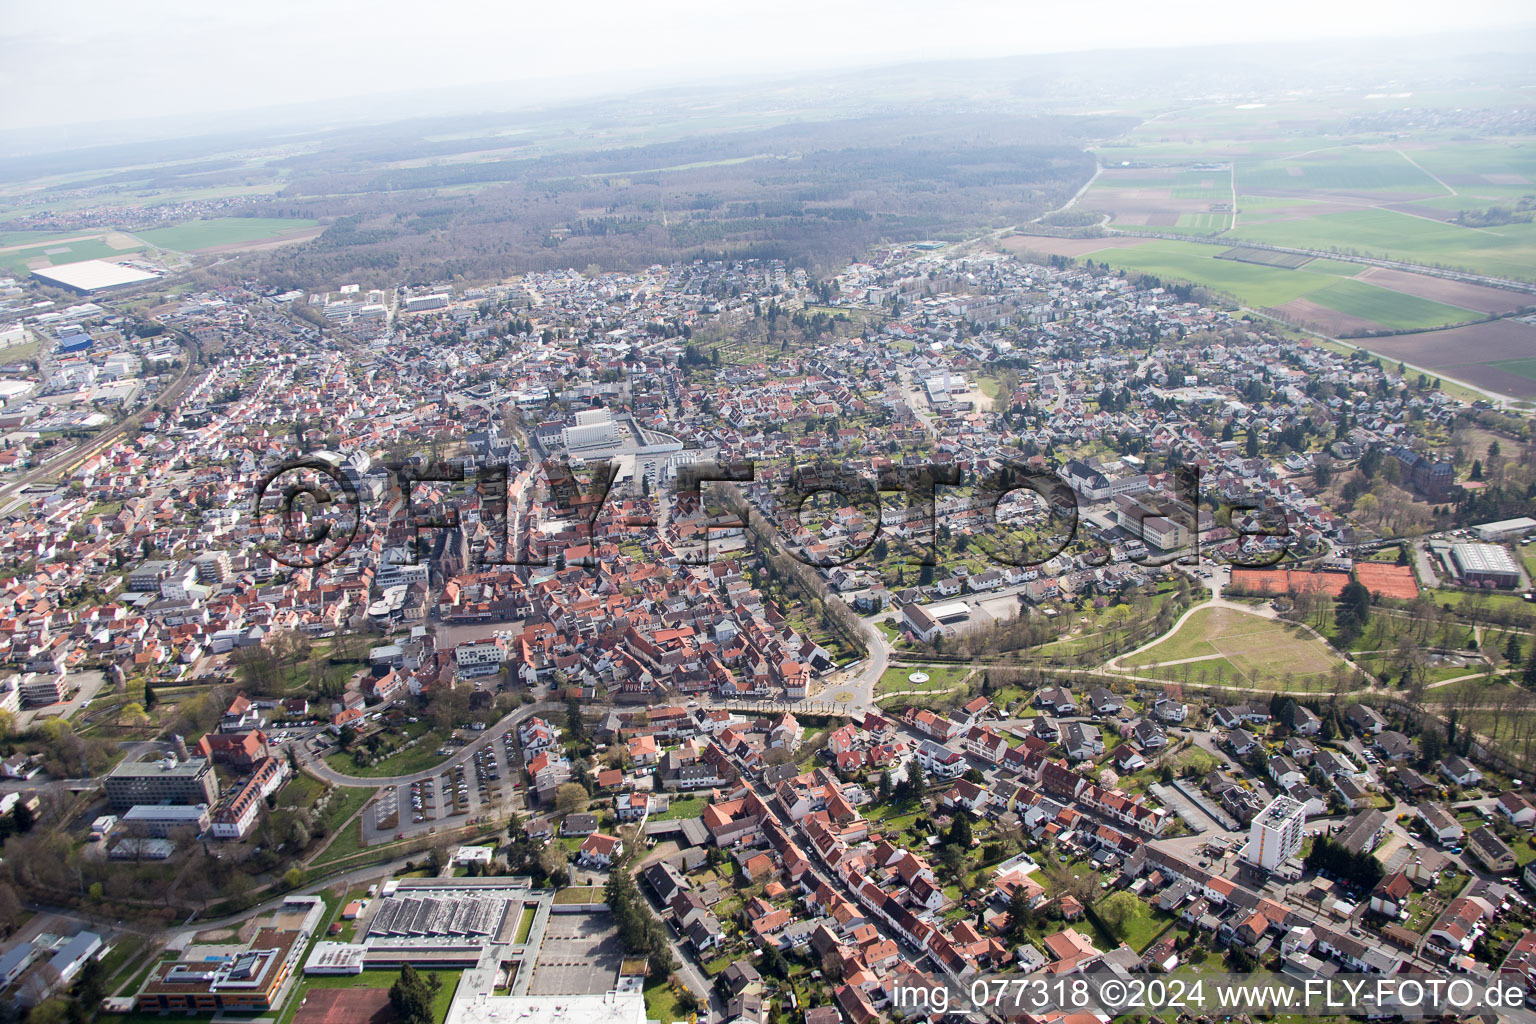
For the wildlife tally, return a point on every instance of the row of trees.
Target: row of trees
(1337, 860)
(641, 932)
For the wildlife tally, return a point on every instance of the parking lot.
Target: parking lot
(580, 955)
(476, 785)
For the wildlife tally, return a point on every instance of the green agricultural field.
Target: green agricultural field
(1338, 268)
(1519, 367)
(1256, 285)
(1506, 251)
(205, 234)
(1247, 283)
(1328, 187)
(1265, 257)
(36, 238)
(15, 261)
(1338, 169)
(1512, 168)
(1390, 308)
(1205, 223)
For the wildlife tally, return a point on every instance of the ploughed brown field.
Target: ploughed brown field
(1328, 321)
(1453, 293)
(1151, 207)
(1464, 352)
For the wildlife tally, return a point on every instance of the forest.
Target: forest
(814, 194)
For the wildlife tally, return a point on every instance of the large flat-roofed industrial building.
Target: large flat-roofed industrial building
(525, 959)
(1505, 528)
(1481, 564)
(461, 914)
(438, 922)
(166, 781)
(594, 428)
(89, 276)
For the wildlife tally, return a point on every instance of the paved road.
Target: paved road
(688, 967)
(856, 690)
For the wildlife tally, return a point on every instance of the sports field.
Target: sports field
(1379, 578)
(358, 998)
(345, 1006)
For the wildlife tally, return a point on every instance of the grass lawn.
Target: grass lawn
(344, 803)
(580, 894)
(1140, 928)
(1256, 650)
(940, 677)
(133, 984)
(718, 964)
(525, 925)
(1506, 600)
(319, 669)
(661, 1002)
(127, 948)
(685, 807)
(1203, 760)
(422, 756)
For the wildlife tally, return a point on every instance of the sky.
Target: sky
(71, 61)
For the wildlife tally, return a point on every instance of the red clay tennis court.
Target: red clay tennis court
(1285, 581)
(345, 1006)
(1387, 580)
(1380, 578)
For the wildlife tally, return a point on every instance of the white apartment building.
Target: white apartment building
(1275, 834)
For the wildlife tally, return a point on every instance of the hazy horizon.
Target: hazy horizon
(100, 63)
